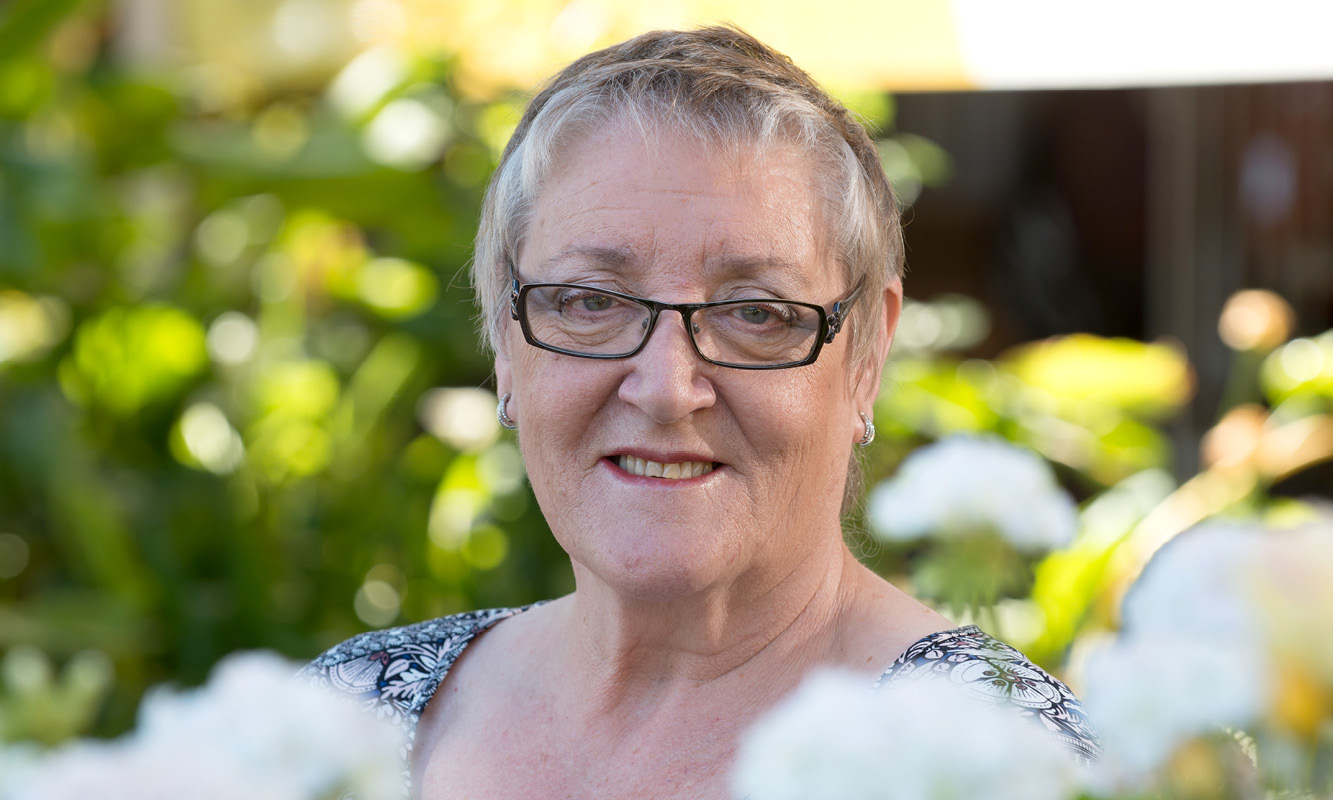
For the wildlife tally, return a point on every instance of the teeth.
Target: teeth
(657, 469)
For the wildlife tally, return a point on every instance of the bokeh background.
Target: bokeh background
(243, 405)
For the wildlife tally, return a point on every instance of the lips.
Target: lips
(667, 470)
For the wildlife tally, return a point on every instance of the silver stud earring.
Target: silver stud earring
(505, 421)
(869, 435)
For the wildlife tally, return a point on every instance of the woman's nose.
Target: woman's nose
(668, 379)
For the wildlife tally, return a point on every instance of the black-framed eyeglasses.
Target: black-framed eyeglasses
(749, 333)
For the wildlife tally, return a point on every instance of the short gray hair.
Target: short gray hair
(725, 88)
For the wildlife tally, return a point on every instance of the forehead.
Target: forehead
(648, 206)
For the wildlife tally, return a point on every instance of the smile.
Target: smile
(667, 471)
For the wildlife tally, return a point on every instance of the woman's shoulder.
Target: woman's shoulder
(394, 672)
(997, 674)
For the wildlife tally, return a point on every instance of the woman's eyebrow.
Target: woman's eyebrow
(618, 258)
(776, 271)
(775, 268)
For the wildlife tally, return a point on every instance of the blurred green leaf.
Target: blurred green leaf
(126, 358)
(1301, 368)
(25, 23)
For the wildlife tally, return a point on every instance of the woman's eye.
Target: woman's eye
(594, 302)
(587, 302)
(767, 314)
(755, 315)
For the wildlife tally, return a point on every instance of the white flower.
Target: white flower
(834, 739)
(1215, 618)
(1199, 584)
(1190, 658)
(1148, 695)
(120, 771)
(1293, 593)
(254, 731)
(16, 763)
(966, 484)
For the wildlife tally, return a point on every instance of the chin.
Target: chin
(656, 569)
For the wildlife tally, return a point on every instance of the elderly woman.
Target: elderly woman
(689, 269)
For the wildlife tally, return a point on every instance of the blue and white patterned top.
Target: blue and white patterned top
(394, 673)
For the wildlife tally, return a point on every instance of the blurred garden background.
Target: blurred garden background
(243, 405)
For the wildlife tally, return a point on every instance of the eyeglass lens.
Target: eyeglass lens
(747, 332)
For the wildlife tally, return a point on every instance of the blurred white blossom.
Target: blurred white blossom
(16, 762)
(967, 485)
(1148, 695)
(254, 731)
(1293, 594)
(1215, 631)
(1199, 585)
(835, 739)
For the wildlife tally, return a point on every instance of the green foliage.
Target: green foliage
(1301, 368)
(1081, 401)
(37, 705)
(215, 329)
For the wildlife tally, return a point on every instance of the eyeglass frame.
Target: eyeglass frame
(830, 322)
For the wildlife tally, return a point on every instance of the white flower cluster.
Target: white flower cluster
(1199, 649)
(965, 485)
(834, 739)
(254, 732)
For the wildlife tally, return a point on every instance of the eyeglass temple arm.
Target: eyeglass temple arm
(838, 315)
(514, 286)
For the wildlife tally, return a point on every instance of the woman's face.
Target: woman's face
(677, 223)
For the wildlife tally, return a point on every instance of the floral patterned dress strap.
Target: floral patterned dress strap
(996, 674)
(394, 673)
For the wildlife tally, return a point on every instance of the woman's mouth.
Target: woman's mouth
(665, 470)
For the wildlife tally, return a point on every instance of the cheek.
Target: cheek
(801, 421)
(559, 400)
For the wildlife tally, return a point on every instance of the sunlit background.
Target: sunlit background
(242, 403)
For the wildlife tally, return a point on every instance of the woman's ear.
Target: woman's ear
(871, 372)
